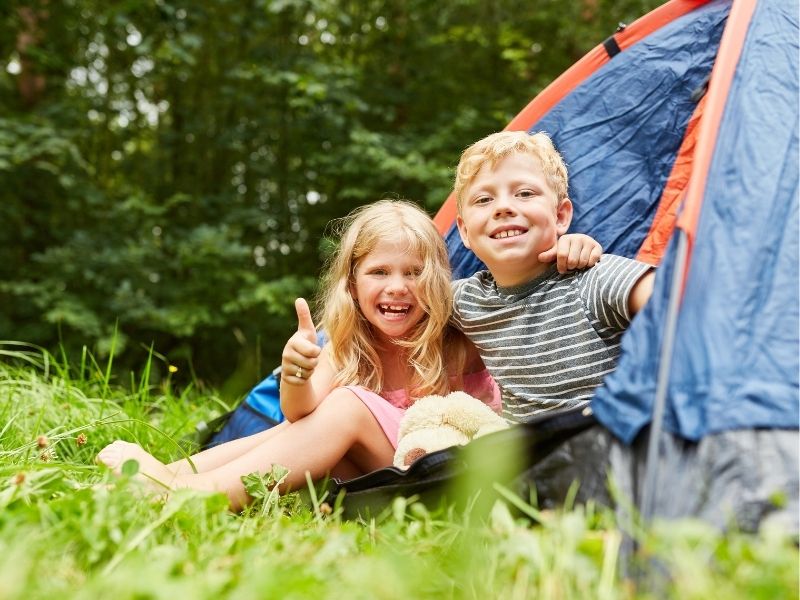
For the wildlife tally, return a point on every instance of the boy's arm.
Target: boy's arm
(615, 290)
(641, 292)
(573, 251)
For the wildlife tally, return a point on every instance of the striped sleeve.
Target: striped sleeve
(606, 288)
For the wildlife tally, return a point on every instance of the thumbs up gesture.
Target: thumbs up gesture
(301, 353)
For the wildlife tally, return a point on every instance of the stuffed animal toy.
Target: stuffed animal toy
(436, 422)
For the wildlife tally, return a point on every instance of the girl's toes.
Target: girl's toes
(113, 455)
(110, 457)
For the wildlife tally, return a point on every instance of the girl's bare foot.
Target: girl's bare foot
(151, 471)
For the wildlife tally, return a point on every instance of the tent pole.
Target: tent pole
(665, 365)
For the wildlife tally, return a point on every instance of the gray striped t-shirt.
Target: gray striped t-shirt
(549, 343)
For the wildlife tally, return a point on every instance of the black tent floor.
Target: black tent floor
(742, 478)
(454, 474)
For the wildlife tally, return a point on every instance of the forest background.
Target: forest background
(168, 168)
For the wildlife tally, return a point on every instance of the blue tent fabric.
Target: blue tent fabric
(463, 262)
(620, 130)
(735, 364)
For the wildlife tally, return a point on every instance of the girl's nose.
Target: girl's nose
(397, 285)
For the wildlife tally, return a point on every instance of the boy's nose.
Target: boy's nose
(503, 204)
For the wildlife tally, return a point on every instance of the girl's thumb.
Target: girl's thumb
(304, 320)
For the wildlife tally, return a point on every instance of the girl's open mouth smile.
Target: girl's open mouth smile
(394, 311)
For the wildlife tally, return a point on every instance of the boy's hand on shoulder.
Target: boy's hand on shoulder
(572, 252)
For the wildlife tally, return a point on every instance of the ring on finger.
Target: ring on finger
(299, 373)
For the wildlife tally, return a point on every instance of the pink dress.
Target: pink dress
(390, 407)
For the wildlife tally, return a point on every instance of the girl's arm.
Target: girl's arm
(473, 362)
(300, 398)
(306, 370)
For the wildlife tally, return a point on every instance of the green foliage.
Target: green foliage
(68, 528)
(168, 168)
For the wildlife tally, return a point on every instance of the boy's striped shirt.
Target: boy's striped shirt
(550, 342)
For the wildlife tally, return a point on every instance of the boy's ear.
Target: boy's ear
(563, 215)
(462, 231)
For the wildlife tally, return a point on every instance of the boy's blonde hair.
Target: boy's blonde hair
(497, 146)
(351, 340)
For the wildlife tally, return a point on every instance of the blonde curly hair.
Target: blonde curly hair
(497, 146)
(351, 341)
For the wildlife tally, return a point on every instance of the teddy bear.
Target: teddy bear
(436, 422)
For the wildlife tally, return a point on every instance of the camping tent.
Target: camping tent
(681, 135)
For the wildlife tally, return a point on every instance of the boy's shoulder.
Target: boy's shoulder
(482, 275)
(615, 262)
(481, 280)
(620, 259)
(611, 267)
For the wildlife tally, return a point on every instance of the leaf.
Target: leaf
(255, 485)
(259, 486)
(130, 467)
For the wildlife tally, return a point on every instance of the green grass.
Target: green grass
(70, 530)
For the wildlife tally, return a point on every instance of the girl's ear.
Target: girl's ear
(563, 215)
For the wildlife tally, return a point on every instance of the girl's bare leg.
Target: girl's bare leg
(217, 456)
(342, 427)
(345, 470)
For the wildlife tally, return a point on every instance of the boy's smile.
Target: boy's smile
(505, 233)
(510, 215)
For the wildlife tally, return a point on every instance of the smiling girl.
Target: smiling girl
(386, 306)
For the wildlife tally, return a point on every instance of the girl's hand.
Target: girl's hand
(301, 353)
(573, 251)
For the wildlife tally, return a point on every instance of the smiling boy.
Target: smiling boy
(547, 338)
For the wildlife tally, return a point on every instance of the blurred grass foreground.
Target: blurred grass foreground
(70, 529)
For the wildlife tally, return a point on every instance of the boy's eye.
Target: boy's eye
(483, 199)
(526, 193)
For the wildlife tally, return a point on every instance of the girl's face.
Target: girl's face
(385, 287)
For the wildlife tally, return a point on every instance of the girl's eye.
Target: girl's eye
(415, 272)
(378, 272)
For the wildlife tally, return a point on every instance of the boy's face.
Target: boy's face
(510, 215)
